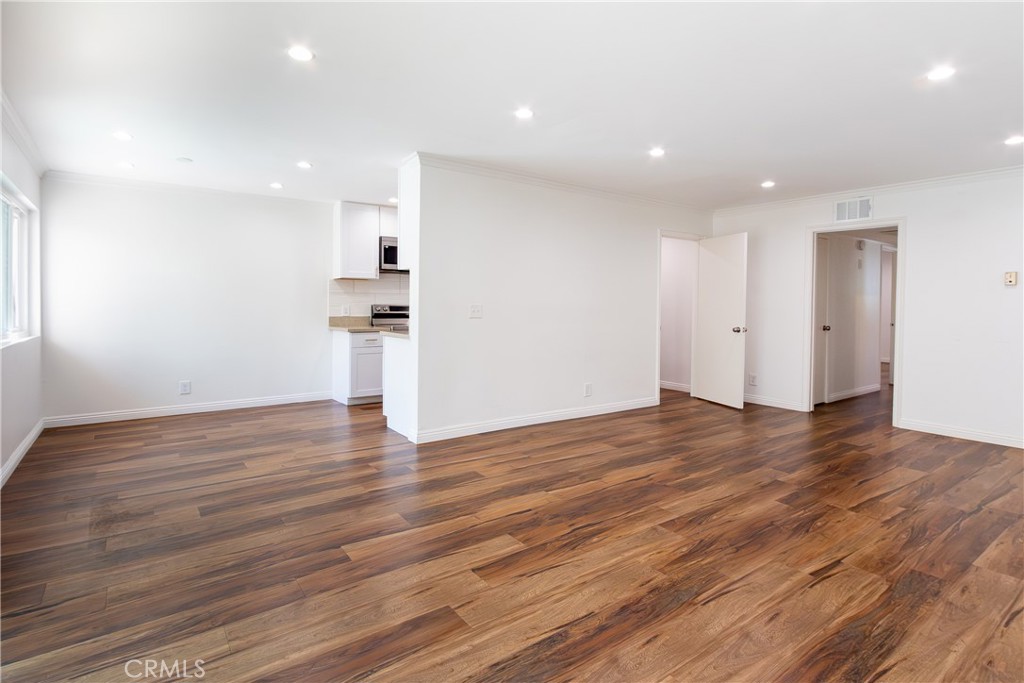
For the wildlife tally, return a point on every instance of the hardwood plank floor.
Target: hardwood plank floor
(686, 542)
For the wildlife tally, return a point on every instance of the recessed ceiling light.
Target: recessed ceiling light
(122, 135)
(524, 113)
(768, 184)
(393, 200)
(184, 160)
(276, 186)
(126, 164)
(1014, 140)
(300, 53)
(304, 165)
(941, 73)
(657, 152)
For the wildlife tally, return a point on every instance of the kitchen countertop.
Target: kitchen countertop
(396, 335)
(350, 323)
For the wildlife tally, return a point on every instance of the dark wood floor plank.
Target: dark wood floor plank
(971, 616)
(786, 627)
(1006, 554)
(682, 542)
(467, 656)
(656, 650)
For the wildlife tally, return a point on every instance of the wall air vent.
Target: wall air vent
(853, 209)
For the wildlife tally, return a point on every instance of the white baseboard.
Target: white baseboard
(457, 431)
(850, 393)
(19, 453)
(676, 386)
(358, 401)
(773, 402)
(184, 409)
(962, 433)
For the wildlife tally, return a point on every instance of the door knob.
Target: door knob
(736, 330)
(826, 328)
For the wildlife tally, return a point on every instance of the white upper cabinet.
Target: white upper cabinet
(357, 230)
(388, 221)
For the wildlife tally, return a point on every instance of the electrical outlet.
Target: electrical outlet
(346, 311)
(752, 379)
(185, 387)
(1010, 278)
(476, 310)
(588, 389)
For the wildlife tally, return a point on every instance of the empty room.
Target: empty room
(432, 342)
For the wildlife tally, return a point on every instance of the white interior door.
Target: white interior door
(892, 322)
(719, 335)
(820, 320)
(852, 361)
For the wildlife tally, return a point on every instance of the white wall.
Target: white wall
(568, 281)
(885, 310)
(678, 286)
(961, 340)
(17, 167)
(401, 356)
(854, 367)
(21, 409)
(146, 285)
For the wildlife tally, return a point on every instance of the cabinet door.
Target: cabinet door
(388, 221)
(357, 241)
(367, 372)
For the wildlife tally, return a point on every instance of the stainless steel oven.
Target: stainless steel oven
(390, 317)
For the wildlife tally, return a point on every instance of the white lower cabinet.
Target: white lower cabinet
(358, 367)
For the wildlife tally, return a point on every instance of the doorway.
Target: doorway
(854, 329)
(678, 291)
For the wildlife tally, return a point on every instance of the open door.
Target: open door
(892, 322)
(719, 335)
(847, 309)
(821, 326)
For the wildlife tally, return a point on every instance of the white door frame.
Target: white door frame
(901, 259)
(674, 234)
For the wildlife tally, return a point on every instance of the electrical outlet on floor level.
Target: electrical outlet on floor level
(588, 389)
(185, 387)
(752, 379)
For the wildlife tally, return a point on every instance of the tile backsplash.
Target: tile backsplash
(354, 297)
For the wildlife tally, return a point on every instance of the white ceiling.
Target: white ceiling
(819, 97)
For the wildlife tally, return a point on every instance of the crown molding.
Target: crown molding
(927, 183)
(16, 127)
(476, 168)
(87, 179)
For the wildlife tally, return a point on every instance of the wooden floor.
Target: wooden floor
(687, 542)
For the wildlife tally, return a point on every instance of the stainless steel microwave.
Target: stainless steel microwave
(388, 253)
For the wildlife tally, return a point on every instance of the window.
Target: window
(14, 276)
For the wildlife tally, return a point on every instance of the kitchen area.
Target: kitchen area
(368, 299)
